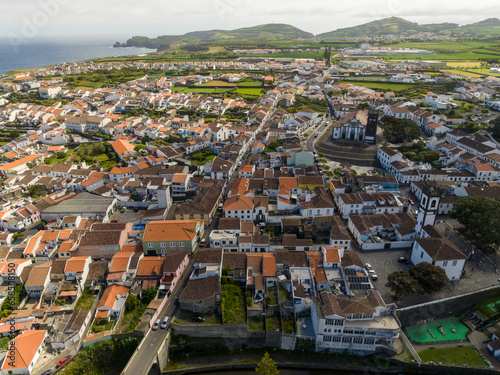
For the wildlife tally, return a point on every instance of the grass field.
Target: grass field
(464, 64)
(201, 90)
(253, 84)
(465, 355)
(463, 73)
(431, 332)
(382, 85)
(256, 91)
(216, 83)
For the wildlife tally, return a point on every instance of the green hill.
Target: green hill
(400, 26)
(392, 25)
(269, 32)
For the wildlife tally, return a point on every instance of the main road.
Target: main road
(142, 358)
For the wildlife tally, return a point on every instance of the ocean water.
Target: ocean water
(39, 53)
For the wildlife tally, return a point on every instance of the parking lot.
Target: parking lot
(386, 262)
(128, 216)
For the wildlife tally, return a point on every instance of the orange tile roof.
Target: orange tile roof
(151, 265)
(25, 346)
(179, 177)
(240, 202)
(332, 254)
(17, 163)
(75, 264)
(120, 262)
(171, 230)
(122, 146)
(109, 296)
(65, 246)
(268, 264)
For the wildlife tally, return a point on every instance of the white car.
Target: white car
(372, 275)
(156, 325)
(368, 266)
(164, 323)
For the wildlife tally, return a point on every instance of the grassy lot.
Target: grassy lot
(287, 324)
(254, 84)
(4, 343)
(458, 356)
(102, 328)
(216, 83)
(464, 73)
(272, 323)
(85, 301)
(203, 161)
(256, 324)
(484, 71)
(256, 92)
(464, 64)
(201, 90)
(233, 304)
(383, 86)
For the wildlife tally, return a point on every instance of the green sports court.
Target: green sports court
(491, 306)
(431, 331)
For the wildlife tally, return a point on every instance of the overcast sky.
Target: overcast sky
(125, 18)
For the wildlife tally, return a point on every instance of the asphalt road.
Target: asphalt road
(142, 358)
(317, 130)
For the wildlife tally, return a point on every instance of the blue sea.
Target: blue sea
(37, 53)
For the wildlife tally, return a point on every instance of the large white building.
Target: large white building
(360, 325)
(358, 125)
(436, 249)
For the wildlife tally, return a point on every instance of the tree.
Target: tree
(131, 303)
(402, 284)
(267, 366)
(495, 129)
(481, 216)
(429, 278)
(148, 295)
(14, 133)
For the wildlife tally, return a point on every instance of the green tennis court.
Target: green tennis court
(431, 332)
(491, 306)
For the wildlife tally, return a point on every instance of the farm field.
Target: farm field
(381, 85)
(464, 73)
(217, 83)
(201, 90)
(255, 91)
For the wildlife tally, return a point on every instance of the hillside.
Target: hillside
(392, 25)
(395, 25)
(269, 31)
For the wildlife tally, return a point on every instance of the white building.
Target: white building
(359, 325)
(436, 249)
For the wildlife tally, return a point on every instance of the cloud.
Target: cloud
(160, 17)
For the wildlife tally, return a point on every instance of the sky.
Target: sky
(31, 19)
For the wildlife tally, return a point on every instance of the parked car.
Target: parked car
(176, 301)
(411, 201)
(198, 318)
(156, 325)
(372, 275)
(124, 209)
(48, 372)
(63, 361)
(164, 323)
(377, 239)
(368, 266)
(203, 243)
(403, 260)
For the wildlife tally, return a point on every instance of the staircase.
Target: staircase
(355, 152)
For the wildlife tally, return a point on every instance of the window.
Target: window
(329, 322)
(163, 244)
(327, 338)
(172, 244)
(445, 263)
(151, 245)
(339, 322)
(422, 254)
(454, 263)
(358, 340)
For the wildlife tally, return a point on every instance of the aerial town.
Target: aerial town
(261, 201)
